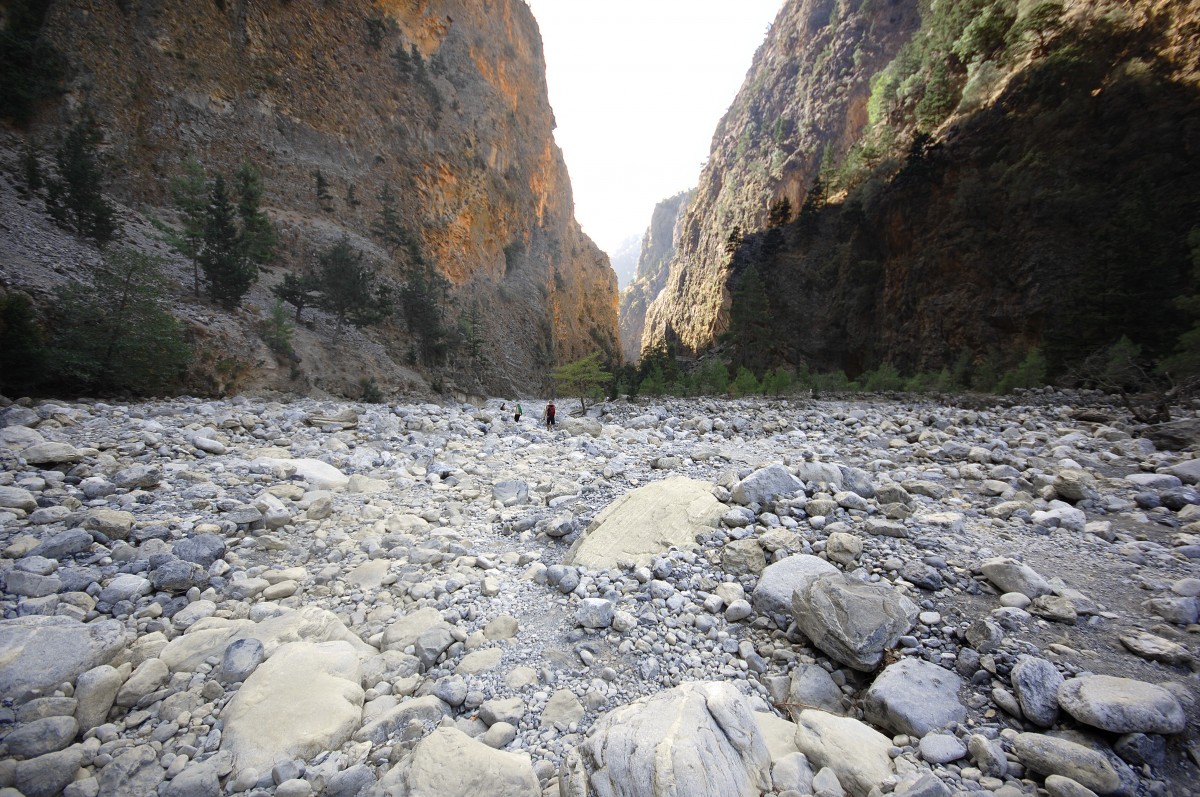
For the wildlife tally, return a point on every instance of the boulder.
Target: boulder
(646, 522)
(448, 763)
(851, 621)
(854, 751)
(698, 739)
(914, 696)
(1035, 684)
(39, 653)
(1009, 575)
(765, 485)
(304, 699)
(1049, 755)
(773, 594)
(1121, 705)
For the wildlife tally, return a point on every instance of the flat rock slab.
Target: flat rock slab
(321, 475)
(699, 739)
(1121, 705)
(448, 763)
(304, 699)
(1049, 755)
(856, 752)
(914, 696)
(646, 522)
(39, 653)
(210, 637)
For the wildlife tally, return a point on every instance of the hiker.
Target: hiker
(550, 415)
(517, 414)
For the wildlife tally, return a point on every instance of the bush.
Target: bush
(1031, 372)
(714, 378)
(115, 334)
(22, 352)
(277, 332)
(745, 383)
(883, 378)
(778, 382)
(654, 383)
(369, 390)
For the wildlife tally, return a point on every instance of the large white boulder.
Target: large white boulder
(855, 751)
(448, 763)
(646, 522)
(304, 699)
(696, 740)
(39, 653)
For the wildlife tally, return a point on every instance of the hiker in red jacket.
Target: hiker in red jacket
(550, 415)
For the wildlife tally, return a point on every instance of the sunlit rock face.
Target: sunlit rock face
(805, 94)
(442, 101)
(1010, 228)
(658, 247)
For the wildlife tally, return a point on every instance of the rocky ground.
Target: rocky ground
(685, 597)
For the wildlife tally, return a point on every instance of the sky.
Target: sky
(637, 88)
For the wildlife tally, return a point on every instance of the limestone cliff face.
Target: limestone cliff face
(658, 248)
(803, 100)
(443, 101)
(999, 177)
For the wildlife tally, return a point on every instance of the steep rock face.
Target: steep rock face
(803, 100)
(1038, 190)
(444, 101)
(658, 247)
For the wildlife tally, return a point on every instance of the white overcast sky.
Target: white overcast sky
(637, 88)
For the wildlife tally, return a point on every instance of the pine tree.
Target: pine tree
(424, 297)
(258, 233)
(228, 273)
(349, 289)
(352, 200)
(387, 227)
(749, 323)
(74, 197)
(324, 198)
(299, 291)
(189, 192)
(582, 378)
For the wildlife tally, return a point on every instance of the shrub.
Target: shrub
(883, 378)
(115, 334)
(1031, 372)
(22, 352)
(745, 383)
(277, 332)
(369, 390)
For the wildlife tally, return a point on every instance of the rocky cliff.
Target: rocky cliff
(804, 100)
(657, 248)
(992, 180)
(442, 101)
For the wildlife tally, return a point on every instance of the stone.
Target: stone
(562, 709)
(1009, 575)
(64, 544)
(766, 485)
(1035, 684)
(743, 558)
(509, 710)
(39, 653)
(914, 697)
(408, 628)
(448, 763)
(202, 549)
(17, 498)
(1121, 705)
(241, 658)
(773, 594)
(46, 735)
(1054, 608)
(1058, 786)
(843, 548)
(811, 686)
(987, 755)
(304, 699)
(646, 522)
(595, 613)
(51, 454)
(699, 739)
(1052, 756)
(1155, 648)
(112, 523)
(510, 492)
(95, 693)
(150, 675)
(429, 709)
(503, 627)
(319, 475)
(941, 748)
(857, 753)
(479, 661)
(132, 773)
(47, 775)
(793, 772)
(851, 621)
